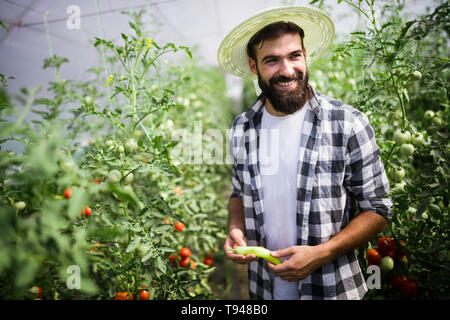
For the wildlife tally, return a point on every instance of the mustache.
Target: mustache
(278, 79)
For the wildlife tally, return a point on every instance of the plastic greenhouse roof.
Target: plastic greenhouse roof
(193, 23)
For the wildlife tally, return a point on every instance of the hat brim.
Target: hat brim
(316, 24)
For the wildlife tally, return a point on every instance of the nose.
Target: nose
(286, 68)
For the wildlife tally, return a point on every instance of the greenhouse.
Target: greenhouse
(133, 140)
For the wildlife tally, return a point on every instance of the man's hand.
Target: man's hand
(235, 239)
(303, 260)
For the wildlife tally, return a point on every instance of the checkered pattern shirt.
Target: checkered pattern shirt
(339, 174)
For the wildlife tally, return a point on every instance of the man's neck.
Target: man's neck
(276, 113)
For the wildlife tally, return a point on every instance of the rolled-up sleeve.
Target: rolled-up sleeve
(365, 176)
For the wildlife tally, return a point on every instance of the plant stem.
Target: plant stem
(392, 78)
(27, 106)
(402, 104)
(133, 88)
(388, 160)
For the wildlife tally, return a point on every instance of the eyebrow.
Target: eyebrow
(271, 56)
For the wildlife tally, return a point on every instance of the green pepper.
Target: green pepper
(260, 252)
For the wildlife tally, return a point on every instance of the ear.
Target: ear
(252, 65)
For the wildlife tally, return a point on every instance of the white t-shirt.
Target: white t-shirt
(279, 149)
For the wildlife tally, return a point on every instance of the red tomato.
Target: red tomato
(179, 226)
(386, 245)
(184, 253)
(207, 261)
(87, 211)
(173, 260)
(402, 251)
(409, 289)
(373, 256)
(144, 294)
(124, 296)
(185, 262)
(97, 180)
(167, 221)
(67, 193)
(398, 281)
(37, 291)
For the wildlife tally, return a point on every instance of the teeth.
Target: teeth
(286, 84)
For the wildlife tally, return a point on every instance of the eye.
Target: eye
(271, 61)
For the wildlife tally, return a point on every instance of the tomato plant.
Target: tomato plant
(396, 72)
(124, 168)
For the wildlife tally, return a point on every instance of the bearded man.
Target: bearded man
(307, 179)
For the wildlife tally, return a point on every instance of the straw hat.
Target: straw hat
(317, 25)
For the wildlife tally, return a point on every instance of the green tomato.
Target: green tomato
(20, 205)
(88, 100)
(407, 149)
(114, 176)
(436, 121)
(260, 252)
(399, 186)
(399, 173)
(429, 114)
(418, 140)
(128, 178)
(386, 263)
(128, 189)
(131, 145)
(68, 164)
(416, 75)
(121, 149)
(401, 137)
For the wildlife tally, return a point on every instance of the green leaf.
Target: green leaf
(125, 195)
(135, 28)
(162, 228)
(54, 62)
(133, 244)
(162, 266)
(164, 249)
(186, 49)
(147, 256)
(4, 25)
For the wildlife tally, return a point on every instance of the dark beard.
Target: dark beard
(286, 102)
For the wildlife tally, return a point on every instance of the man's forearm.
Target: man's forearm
(236, 216)
(360, 230)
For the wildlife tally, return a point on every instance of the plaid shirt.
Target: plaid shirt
(339, 168)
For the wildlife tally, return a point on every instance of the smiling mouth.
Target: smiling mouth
(286, 84)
